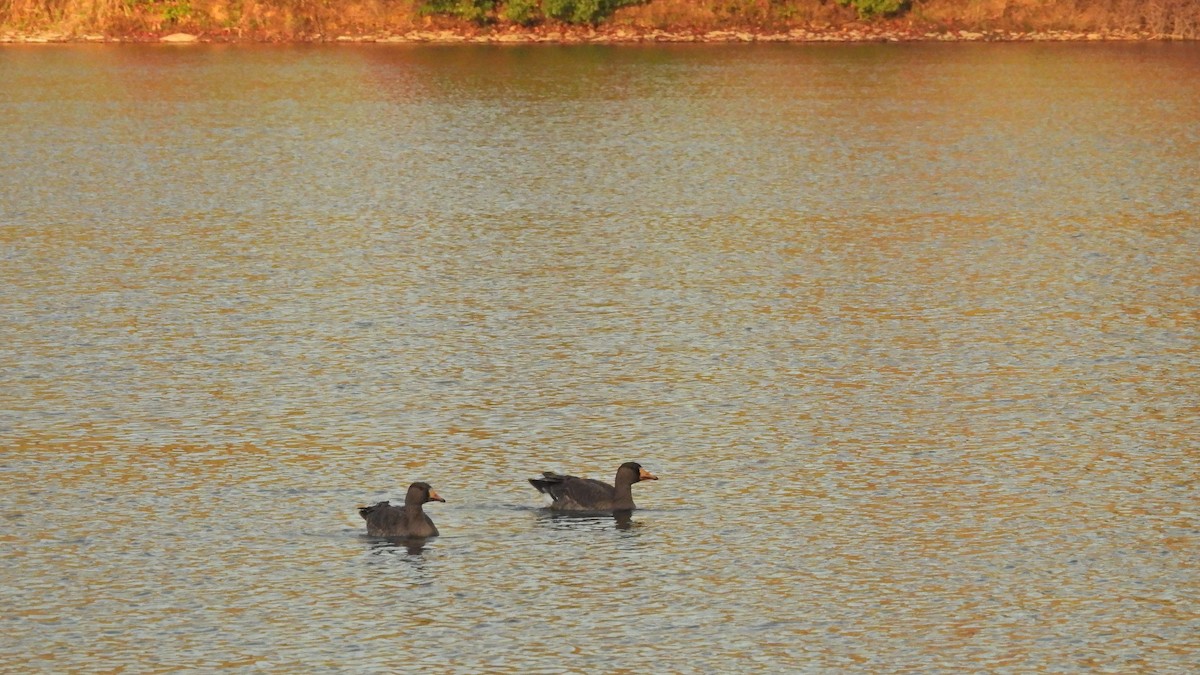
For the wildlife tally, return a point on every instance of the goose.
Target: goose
(571, 493)
(385, 520)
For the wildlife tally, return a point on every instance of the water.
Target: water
(908, 333)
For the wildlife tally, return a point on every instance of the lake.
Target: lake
(908, 333)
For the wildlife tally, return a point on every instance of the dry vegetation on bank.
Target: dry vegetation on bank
(400, 20)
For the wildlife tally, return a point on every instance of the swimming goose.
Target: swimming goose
(385, 520)
(571, 493)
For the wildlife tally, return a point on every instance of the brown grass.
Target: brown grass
(705, 14)
(326, 19)
(1168, 18)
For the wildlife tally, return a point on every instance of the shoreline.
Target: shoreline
(604, 35)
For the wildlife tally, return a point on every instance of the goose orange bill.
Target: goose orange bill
(435, 497)
(646, 475)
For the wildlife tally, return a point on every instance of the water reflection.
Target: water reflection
(413, 546)
(586, 521)
(398, 560)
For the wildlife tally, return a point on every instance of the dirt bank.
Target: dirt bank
(614, 35)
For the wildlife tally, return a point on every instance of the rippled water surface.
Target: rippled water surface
(909, 333)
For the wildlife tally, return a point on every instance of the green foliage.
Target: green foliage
(571, 11)
(582, 11)
(527, 11)
(471, 10)
(523, 12)
(176, 11)
(172, 11)
(870, 8)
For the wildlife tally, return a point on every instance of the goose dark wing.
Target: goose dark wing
(367, 511)
(572, 492)
(384, 520)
